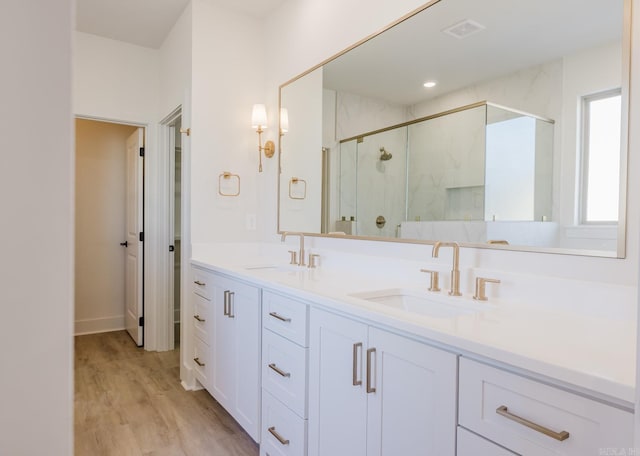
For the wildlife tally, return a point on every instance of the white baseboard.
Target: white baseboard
(99, 325)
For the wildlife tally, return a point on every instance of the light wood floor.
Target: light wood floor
(130, 402)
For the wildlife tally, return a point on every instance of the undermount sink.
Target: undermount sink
(422, 302)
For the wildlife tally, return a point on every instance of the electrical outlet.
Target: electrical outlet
(251, 222)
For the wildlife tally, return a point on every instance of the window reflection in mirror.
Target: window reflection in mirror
(601, 157)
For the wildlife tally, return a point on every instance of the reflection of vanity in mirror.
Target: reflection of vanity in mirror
(517, 144)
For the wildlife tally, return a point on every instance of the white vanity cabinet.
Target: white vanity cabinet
(202, 286)
(372, 392)
(532, 418)
(227, 344)
(235, 360)
(284, 375)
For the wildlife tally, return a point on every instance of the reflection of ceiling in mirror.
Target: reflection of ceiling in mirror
(517, 35)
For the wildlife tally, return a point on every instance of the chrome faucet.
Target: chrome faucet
(455, 271)
(301, 251)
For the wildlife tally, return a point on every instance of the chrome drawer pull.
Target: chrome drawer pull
(197, 317)
(279, 371)
(560, 436)
(197, 360)
(232, 298)
(356, 382)
(280, 317)
(370, 389)
(202, 284)
(226, 303)
(281, 439)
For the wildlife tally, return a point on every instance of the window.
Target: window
(601, 157)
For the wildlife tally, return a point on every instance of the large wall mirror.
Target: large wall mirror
(499, 123)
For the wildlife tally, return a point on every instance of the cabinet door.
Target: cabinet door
(245, 314)
(223, 346)
(337, 397)
(413, 408)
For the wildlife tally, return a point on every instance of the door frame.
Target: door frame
(166, 326)
(164, 301)
(146, 205)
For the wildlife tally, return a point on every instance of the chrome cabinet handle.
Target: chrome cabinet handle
(197, 317)
(232, 298)
(280, 317)
(370, 389)
(560, 436)
(226, 303)
(202, 284)
(278, 370)
(356, 382)
(198, 362)
(281, 439)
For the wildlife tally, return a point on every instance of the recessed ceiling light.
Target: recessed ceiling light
(429, 84)
(464, 29)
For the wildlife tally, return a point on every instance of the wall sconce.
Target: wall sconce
(259, 122)
(284, 121)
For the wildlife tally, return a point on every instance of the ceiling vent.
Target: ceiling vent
(464, 29)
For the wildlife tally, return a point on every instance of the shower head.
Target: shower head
(384, 156)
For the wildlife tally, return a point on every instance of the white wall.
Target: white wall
(115, 80)
(228, 68)
(36, 196)
(100, 225)
(175, 64)
(301, 156)
(306, 39)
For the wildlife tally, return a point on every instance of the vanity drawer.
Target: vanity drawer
(200, 317)
(201, 361)
(494, 403)
(286, 317)
(284, 371)
(470, 444)
(283, 432)
(202, 282)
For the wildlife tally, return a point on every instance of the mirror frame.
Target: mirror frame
(620, 252)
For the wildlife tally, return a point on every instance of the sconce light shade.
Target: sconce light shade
(284, 120)
(259, 117)
(259, 122)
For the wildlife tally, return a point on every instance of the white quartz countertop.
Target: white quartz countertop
(578, 349)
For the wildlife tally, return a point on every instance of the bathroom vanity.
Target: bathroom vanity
(321, 362)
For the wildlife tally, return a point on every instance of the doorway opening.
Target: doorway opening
(109, 228)
(174, 142)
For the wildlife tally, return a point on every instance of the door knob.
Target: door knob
(124, 244)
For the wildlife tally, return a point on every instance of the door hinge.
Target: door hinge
(172, 248)
(141, 236)
(141, 321)
(142, 151)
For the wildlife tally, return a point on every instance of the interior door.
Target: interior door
(134, 266)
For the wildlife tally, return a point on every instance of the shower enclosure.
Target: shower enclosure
(481, 162)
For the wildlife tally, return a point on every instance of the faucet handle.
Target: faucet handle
(312, 260)
(293, 257)
(433, 284)
(481, 282)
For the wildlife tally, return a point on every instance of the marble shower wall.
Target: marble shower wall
(446, 167)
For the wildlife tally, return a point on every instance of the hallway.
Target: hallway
(130, 402)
